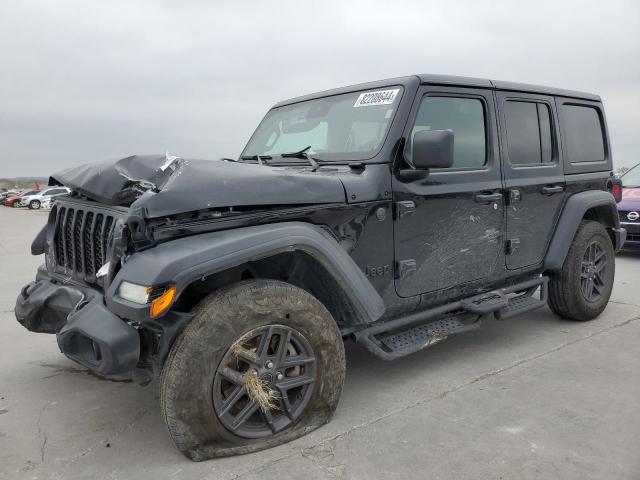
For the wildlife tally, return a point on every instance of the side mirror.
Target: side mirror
(432, 149)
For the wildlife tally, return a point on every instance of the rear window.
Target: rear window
(528, 133)
(582, 134)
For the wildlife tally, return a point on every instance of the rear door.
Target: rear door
(448, 226)
(533, 175)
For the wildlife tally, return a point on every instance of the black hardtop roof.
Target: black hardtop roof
(432, 79)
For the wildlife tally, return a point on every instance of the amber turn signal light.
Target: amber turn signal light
(162, 303)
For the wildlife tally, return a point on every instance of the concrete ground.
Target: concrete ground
(532, 397)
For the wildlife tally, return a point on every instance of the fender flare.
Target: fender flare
(182, 261)
(572, 214)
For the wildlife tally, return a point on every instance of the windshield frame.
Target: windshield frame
(347, 157)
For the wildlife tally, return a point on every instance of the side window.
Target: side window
(529, 138)
(465, 116)
(583, 138)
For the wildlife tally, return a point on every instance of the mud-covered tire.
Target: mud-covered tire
(187, 381)
(566, 288)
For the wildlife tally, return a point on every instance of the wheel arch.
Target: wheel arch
(596, 205)
(297, 267)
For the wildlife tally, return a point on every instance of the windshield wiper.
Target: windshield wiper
(299, 154)
(258, 158)
(303, 154)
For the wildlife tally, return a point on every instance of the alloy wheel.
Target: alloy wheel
(594, 266)
(282, 364)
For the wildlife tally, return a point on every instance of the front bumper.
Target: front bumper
(633, 235)
(86, 331)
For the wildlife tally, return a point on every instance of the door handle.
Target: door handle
(550, 190)
(488, 197)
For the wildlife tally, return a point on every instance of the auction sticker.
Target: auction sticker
(380, 97)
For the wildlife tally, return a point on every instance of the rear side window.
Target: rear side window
(529, 137)
(465, 116)
(583, 138)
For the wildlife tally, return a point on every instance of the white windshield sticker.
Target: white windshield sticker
(381, 97)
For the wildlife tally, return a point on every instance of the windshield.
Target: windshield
(351, 126)
(632, 177)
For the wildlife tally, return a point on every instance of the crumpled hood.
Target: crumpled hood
(162, 185)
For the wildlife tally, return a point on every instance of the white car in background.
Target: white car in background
(43, 198)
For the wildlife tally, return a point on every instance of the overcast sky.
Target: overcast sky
(84, 81)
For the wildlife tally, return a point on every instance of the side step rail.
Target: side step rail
(526, 301)
(398, 344)
(403, 336)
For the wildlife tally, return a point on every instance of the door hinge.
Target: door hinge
(406, 268)
(404, 208)
(512, 245)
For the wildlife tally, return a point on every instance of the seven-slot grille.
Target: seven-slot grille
(81, 238)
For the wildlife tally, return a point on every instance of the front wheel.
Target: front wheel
(581, 289)
(261, 363)
(34, 204)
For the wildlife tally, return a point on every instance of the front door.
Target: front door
(533, 175)
(449, 225)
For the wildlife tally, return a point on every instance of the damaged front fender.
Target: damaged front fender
(183, 261)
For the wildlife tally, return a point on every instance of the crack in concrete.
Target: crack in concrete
(323, 456)
(42, 435)
(624, 303)
(62, 369)
(439, 396)
(85, 451)
(258, 469)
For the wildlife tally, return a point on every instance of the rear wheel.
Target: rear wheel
(34, 204)
(581, 289)
(261, 363)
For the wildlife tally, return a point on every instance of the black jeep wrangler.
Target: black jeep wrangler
(394, 213)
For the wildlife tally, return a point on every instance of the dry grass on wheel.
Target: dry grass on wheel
(257, 388)
(260, 391)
